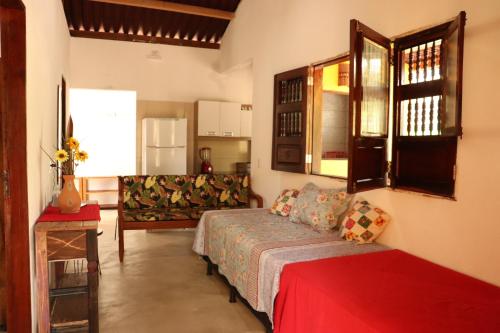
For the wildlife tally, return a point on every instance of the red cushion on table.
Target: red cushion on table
(89, 212)
(388, 291)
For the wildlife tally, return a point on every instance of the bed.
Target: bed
(389, 291)
(251, 246)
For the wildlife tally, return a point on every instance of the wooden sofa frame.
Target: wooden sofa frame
(177, 224)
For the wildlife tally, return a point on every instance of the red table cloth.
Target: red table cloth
(90, 212)
(389, 291)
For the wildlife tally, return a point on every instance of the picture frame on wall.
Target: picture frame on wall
(61, 123)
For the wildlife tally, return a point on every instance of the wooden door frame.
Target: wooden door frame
(13, 165)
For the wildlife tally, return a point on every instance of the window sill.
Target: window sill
(421, 193)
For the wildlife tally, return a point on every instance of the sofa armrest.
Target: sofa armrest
(120, 198)
(256, 197)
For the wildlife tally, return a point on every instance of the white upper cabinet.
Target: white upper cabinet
(208, 118)
(230, 119)
(246, 123)
(223, 119)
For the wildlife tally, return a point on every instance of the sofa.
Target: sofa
(177, 201)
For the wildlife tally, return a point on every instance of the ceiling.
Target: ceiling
(196, 23)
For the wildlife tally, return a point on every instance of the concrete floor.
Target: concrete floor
(162, 287)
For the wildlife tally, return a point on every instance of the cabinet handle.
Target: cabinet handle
(211, 133)
(228, 133)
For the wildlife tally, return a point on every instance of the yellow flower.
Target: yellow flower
(72, 143)
(245, 181)
(61, 155)
(176, 196)
(150, 181)
(224, 196)
(81, 155)
(200, 180)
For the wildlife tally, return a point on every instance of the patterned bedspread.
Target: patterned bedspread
(251, 246)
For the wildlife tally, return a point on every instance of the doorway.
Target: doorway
(15, 288)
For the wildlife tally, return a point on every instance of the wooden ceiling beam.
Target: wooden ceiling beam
(174, 7)
(143, 39)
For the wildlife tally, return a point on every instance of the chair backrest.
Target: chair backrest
(162, 191)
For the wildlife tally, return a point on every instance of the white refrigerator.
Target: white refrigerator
(164, 143)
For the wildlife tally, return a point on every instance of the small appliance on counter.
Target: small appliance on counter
(243, 167)
(206, 166)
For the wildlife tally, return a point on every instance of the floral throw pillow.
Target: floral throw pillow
(283, 204)
(319, 207)
(364, 222)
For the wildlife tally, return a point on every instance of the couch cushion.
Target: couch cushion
(172, 214)
(178, 191)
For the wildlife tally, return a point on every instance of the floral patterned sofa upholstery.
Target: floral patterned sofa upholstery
(178, 201)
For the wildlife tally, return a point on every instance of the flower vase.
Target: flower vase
(69, 198)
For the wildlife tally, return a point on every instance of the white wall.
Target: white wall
(284, 34)
(47, 60)
(183, 74)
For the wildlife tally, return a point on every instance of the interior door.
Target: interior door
(15, 303)
(369, 83)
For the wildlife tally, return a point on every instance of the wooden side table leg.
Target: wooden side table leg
(92, 280)
(42, 281)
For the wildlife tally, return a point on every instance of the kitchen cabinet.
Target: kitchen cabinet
(208, 118)
(246, 123)
(224, 119)
(229, 119)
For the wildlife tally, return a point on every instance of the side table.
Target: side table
(72, 304)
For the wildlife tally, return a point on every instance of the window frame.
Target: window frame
(440, 181)
(367, 163)
(325, 63)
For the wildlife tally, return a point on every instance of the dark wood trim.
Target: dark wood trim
(142, 39)
(372, 34)
(423, 36)
(441, 149)
(92, 280)
(169, 6)
(352, 86)
(289, 151)
(422, 89)
(12, 4)
(458, 24)
(14, 200)
(367, 162)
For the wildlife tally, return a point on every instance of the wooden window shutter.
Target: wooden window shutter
(427, 108)
(453, 71)
(368, 108)
(292, 101)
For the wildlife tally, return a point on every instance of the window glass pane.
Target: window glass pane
(449, 117)
(331, 120)
(375, 83)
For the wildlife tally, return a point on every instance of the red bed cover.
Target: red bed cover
(389, 291)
